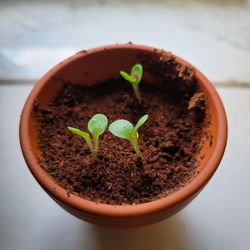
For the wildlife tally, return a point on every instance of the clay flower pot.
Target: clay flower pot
(101, 64)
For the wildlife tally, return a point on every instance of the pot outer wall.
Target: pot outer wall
(124, 222)
(96, 65)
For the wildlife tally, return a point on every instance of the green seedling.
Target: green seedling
(134, 78)
(96, 126)
(125, 130)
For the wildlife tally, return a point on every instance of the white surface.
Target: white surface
(217, 219)
(35, 36)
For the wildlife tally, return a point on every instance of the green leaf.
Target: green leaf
(136, 72)
(134, 79)
(85, 136)
(76, 131)
(121, 128)
(125, 130)
(97, 124)
(141, 121)
(128, 77)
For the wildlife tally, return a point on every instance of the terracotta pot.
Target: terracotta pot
(100, 64)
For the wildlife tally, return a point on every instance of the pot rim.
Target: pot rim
(81, 204)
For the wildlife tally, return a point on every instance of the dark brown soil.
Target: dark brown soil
(169, 140)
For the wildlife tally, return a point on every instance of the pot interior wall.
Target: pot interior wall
(210, 132)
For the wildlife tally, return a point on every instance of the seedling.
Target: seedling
(134, 78)
(125, 130)
(96, 126)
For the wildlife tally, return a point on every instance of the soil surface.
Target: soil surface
(169, 140)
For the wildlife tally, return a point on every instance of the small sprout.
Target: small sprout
(125, 130)
(134, 78)
(96, 126)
